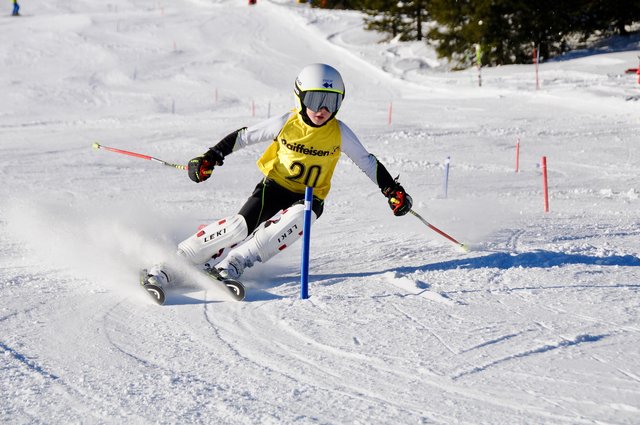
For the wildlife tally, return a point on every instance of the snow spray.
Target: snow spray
(306, 238)
(545, 186)
(446, 175)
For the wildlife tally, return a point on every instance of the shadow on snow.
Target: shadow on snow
(497, 260)
(535, 259)
(503, 261)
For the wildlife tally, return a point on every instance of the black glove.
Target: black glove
(399, 200)
(200, 167)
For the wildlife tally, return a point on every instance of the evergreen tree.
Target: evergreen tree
(415, 13)
(403, 18)
(507, 30)
(609, 17)
(383, 16)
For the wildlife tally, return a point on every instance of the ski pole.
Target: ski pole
(434, 228)
(440, 232)
(139, 155)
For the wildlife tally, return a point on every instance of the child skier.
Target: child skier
(306, 145)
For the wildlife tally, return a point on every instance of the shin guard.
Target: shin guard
(270, 238)
(212, 240)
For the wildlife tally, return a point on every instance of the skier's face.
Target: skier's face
(320, 117)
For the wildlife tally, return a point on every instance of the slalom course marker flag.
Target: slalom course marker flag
(306, 239)
(479, 63)
(390, 112)
(138, 155)
(517, 154)
(545, 186)
(536, 61)
(446, 176)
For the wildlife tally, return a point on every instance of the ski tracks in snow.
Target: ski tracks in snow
(57, 371)
(356, 372)
(301, 366)
(169, 377)
(542, 349)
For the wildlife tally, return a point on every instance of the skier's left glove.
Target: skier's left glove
(399, 200)
(200, 167)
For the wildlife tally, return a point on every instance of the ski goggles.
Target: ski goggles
(316, 100)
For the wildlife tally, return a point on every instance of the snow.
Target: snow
(538, 323)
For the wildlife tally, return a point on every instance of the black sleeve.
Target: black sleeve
(226, 145)
(383, 177)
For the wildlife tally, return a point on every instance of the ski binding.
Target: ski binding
(235, 287)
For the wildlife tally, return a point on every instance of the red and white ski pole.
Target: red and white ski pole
(434, 228)
(440, 232)
(139, 155)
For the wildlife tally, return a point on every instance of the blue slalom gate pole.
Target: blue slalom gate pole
(306, 238)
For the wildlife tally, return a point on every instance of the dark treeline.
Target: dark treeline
(506, 30)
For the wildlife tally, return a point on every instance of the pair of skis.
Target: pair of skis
(157, 293)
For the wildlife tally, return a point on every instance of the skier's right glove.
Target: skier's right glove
(200, 167)
(399, 200)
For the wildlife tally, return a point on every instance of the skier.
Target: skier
(16, 8)
(306, 145)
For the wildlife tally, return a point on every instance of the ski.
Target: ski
(154, 291)
(235, 287)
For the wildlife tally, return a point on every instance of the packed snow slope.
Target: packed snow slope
(538, 323)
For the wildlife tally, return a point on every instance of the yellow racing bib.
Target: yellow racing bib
(302, 156)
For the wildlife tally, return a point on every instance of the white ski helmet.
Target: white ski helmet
(319, 86)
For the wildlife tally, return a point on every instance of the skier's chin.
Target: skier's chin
(318, 118)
